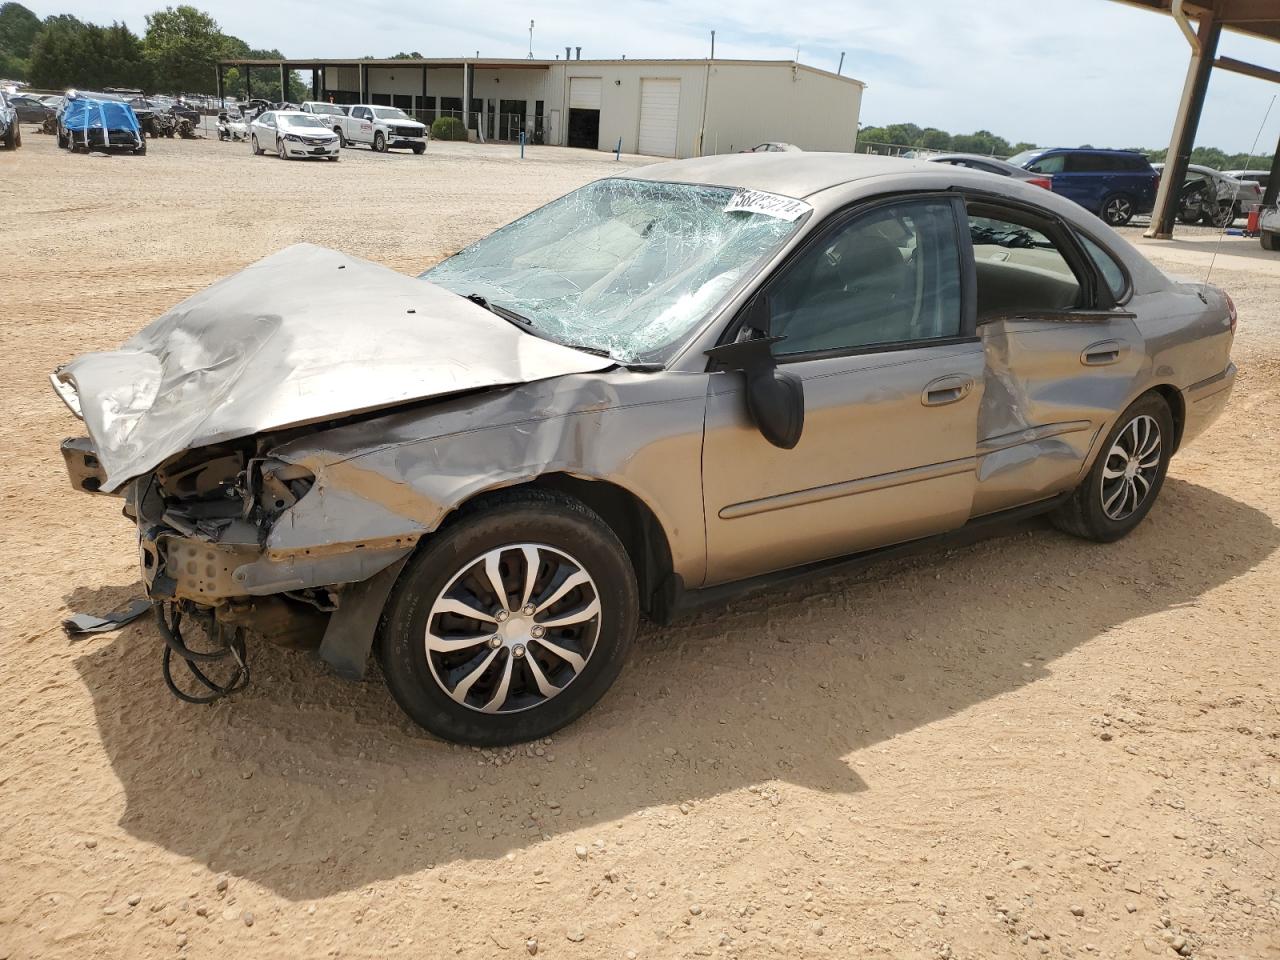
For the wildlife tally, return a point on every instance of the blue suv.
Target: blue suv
(1114, 184)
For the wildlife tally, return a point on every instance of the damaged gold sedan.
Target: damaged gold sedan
(664, 387)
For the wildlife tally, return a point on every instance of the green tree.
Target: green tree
(266, 80)
(182, 45)
(18, 29)
(60, 54)
(407, 56)
(931, 138)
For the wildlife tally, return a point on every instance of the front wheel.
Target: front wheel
(280, 151)
(1117, 210)
(1126, 477)
(379, 142)
(512, 622)
(1270, 241)
(419, 148)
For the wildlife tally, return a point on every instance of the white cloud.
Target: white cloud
(1098, 72)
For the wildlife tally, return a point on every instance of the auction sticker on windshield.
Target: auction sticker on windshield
(770, 204)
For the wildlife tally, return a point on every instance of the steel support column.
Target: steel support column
(364, 83)
(1184, 128)
(466, 96)
(315, 83)
(423, 106)
(218, 73)
(284, 86)
(1273, 185)
(248, 84)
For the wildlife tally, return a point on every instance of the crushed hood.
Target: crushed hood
(306, 335)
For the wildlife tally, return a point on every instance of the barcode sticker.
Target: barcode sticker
(769, 204)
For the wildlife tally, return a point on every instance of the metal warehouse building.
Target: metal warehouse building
(663, 108)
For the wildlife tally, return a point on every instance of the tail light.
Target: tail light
(1041, 182)
(1231, 311)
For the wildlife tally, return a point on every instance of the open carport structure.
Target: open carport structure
(1255, 18)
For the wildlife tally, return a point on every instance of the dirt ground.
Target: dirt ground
(1031, 746)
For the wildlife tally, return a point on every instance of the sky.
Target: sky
(1105, 73)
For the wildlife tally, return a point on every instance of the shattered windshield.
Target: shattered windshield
(627, 267)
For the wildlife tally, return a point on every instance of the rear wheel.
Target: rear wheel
(1270, 241)
(1117, 210)
(253, 143)
(1126, 477)
(10, 138)
(512, 623)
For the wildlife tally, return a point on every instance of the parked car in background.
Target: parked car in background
(501, 465)
(992, 165)
(382, 128)
(29, 109)
(1269, 228)
(1212, 197)
(773, 146)
(1117, 185)
(10, 132)
(292, 135)
(89, 123)
(331, 113)
(1260, 177)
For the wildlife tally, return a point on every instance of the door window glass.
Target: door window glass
(1050, 164)
(1020, 270)
(890, 276)
(1106, 265)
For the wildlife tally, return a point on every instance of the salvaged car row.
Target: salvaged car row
(777, 362)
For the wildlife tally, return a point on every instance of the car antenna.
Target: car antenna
(1236, 192)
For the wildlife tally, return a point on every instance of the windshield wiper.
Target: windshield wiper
(503, 312)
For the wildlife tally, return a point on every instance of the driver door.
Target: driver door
(878, 321)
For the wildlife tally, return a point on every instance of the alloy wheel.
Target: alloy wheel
(1131, 467)
(513, 628)
(1119, 210)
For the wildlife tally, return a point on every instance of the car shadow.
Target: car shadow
(311, 785)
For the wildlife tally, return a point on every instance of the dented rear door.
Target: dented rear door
(1052, 384)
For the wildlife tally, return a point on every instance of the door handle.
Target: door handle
(1102, 353)
(946, 390)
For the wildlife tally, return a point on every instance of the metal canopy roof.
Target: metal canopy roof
(1254, 18)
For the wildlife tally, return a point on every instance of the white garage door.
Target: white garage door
(659, 111)
(584, 93)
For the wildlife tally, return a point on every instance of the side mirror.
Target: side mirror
(775, 398)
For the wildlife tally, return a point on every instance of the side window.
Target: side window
(1107, 266)
(889, 276)
(1020, 270)
(268, 119)
(360, 113)
(1051, 164)
(1087, 163)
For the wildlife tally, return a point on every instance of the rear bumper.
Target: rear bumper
(1205, 401)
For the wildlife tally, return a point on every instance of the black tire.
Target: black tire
(140, 150)
(1083, 514)
(419, 148)
(379, 142)
(537, 517)
(253, 144)
(1117, 209)
(334, 157)
(1270, 241)
(342, 137)
(9, 138)
(280, 149)
(62, 141)
(17, 136)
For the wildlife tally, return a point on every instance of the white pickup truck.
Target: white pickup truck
(330, 113)
(382, 128)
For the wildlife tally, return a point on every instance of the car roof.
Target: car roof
(791, 173)
(1106, 150)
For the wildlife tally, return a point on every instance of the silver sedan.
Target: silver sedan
(687, 380)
